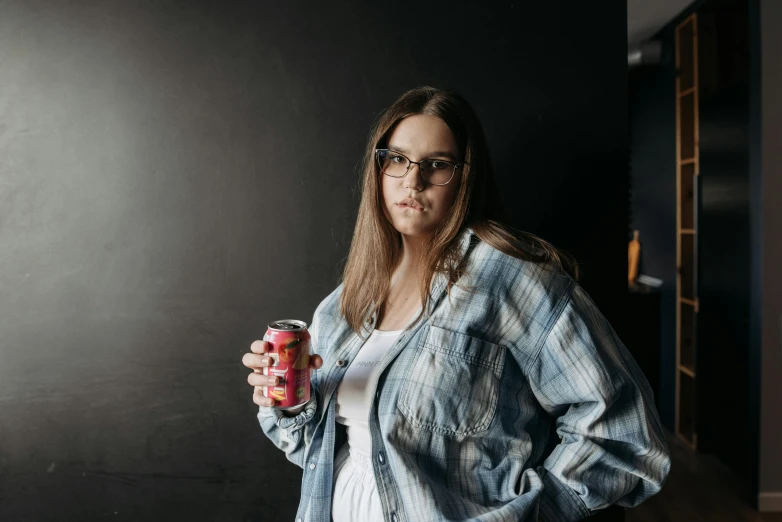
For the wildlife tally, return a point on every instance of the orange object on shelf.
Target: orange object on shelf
(633, 257)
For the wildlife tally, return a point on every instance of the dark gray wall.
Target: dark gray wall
(770, 229)
(173, 175)
(723, 330)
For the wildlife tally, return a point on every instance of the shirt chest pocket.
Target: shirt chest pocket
(453, 384)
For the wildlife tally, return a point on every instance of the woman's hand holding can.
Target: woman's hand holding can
(257, 361)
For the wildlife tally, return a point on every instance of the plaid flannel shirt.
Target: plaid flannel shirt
(468, 397)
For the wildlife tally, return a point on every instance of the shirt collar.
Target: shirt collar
(464, 241)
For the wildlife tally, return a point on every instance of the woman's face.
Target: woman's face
(420, 137)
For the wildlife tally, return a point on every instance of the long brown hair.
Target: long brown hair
(376, 248)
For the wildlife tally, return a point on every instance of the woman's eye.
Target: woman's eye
(437, 165)
(396, 159)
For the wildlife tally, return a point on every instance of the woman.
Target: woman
(453, 348)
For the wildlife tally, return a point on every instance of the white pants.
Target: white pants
(355, 497)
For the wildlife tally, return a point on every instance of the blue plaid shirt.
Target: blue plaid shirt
(469, 396)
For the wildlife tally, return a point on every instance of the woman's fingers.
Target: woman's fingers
(256, 361)
(258, 379)
(260, 399)
(259, 347)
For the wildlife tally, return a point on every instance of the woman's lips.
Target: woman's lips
(411, 207)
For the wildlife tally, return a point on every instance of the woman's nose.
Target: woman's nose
(413, 180)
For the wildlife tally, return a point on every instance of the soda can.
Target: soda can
(289, 348)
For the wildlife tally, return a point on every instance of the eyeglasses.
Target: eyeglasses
(433, 171)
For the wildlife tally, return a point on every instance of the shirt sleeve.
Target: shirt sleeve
(612, 447)
(286, 432)
(293, 434)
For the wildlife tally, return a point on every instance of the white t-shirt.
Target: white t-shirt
(354, 393)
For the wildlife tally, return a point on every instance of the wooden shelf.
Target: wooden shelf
(687, 266)
(686, 413)
(687, 338)
(689, 371)
(687, 196)
(685, 92)
(687, 170)
(691, 443)
(688, 123)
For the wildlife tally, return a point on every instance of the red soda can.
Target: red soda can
(289, 349)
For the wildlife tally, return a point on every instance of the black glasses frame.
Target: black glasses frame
(410, 165)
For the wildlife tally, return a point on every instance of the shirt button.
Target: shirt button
(341, 363)
(380, 457)
(394, 518)
(312, 466)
